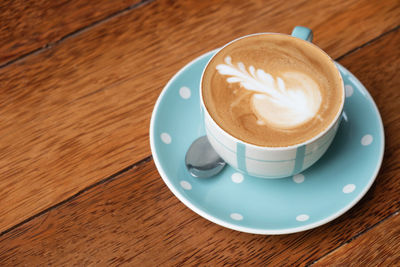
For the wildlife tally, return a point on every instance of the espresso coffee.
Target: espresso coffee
(272, 90)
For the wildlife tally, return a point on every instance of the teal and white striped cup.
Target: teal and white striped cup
(272, 161)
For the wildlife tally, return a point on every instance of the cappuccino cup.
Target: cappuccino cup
(271, 103)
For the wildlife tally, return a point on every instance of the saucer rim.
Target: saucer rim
(261, 231)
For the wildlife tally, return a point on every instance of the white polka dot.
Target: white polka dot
(298, 178)
(236, 216)
(302, 217)
(237, 177)
(166, 138)
(185, 92)
(349, 90)
(367, 140)
(349, 188)
(186, 185)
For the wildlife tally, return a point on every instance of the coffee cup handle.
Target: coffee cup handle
(303, 33)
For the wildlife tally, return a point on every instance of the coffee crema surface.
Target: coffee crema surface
(272, 90)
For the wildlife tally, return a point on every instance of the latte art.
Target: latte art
(272, 90)
(283, 102)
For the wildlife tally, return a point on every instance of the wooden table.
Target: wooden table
(78, 81)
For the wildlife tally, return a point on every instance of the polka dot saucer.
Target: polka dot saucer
(267, 206)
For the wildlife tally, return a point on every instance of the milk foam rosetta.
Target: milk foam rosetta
(272, 90)
(283, 102)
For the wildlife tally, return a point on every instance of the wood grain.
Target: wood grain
(27, 25)
(378, 247)
(134, 219)
(79, 112)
